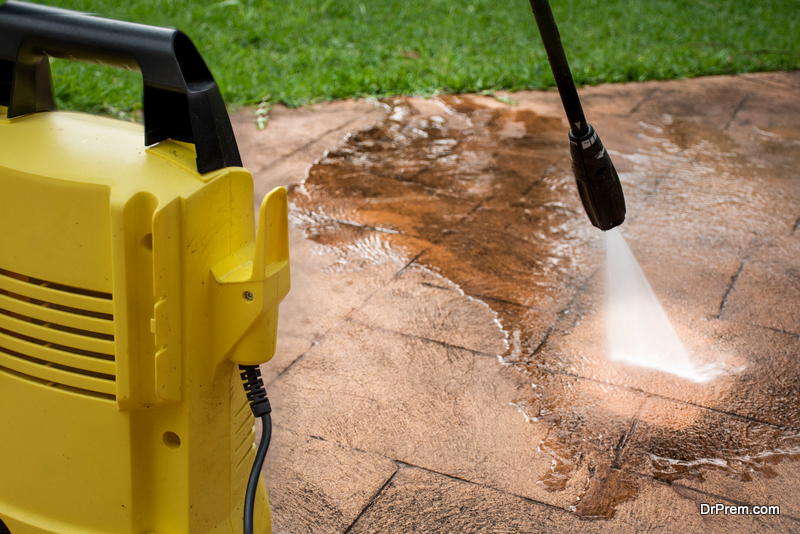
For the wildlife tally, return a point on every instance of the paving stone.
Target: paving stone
(417, 401)
(305, 313)
(705, 438)
(711, 101)
(383, 364)
(760, 364)
(777, 487)
(722, 455)
(420, 501)
(420, 304)
(768, 110)
(291, 129)
(782, 79)
(317, 487)
(288, 349)
(674, 508)
(278, 154)
(615, 100)
(767, 289)
(544, 103)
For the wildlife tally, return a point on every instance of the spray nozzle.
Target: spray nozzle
(597, 179)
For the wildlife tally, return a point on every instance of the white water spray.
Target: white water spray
(638, 330)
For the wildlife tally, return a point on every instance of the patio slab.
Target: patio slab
(441, 363)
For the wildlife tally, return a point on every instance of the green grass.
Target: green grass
(301, 51)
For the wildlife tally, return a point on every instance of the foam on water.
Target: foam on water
(638, 330)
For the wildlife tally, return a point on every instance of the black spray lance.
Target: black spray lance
(595, 175)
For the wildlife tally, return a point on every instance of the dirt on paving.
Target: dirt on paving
(480, 193)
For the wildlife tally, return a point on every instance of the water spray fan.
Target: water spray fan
(132, 283)
(595, 175)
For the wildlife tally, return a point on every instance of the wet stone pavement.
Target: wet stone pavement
(441, 361)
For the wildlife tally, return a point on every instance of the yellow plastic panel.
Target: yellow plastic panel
(121, 412)
(52, 224)
(167, 326)
(57, 456)
(134, 300)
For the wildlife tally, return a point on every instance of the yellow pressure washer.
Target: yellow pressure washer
(132, 282)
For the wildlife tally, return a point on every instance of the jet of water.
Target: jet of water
(638, 330)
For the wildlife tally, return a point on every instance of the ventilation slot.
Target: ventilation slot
(243, 436)
(57, 335)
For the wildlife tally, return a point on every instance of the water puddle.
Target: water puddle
(482, 193)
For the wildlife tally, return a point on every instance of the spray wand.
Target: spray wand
(595, 175)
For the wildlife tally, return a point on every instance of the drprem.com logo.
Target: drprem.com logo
(740, 509)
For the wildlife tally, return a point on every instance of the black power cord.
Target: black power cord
(259, 404)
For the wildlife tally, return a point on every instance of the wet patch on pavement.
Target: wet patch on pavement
(481, 193)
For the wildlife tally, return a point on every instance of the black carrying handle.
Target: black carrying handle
(181, 98)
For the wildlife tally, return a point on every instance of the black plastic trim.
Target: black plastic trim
(181, 98)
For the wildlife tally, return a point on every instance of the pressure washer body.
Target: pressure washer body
(132, 282)
(597, 180)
